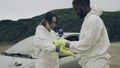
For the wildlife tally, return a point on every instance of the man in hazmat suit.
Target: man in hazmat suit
(47, 57)
(93, 41)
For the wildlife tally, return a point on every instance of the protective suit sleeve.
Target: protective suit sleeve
(42, 42)
(54, 34)
(89, 35)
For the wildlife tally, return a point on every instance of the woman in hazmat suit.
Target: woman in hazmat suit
(47, 57)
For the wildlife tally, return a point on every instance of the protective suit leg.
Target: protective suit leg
(39, 64)
(43, 64)
(96, 63)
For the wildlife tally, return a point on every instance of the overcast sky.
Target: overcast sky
(19, 9)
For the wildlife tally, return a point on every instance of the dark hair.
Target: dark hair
(49, 16)
(81, 2)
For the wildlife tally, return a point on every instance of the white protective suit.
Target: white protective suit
(93, 42)
(44, 48)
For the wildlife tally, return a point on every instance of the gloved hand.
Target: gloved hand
(62, 49)
(59, 43)
(66, 51)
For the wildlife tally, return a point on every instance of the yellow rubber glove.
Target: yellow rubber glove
(66, 51)
(63, 50)
(59, 43)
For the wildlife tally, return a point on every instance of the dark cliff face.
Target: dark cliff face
(14, 31)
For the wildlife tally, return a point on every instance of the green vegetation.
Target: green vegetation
(14, 31)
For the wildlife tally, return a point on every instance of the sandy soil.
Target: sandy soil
(115, 55)
(113, 51)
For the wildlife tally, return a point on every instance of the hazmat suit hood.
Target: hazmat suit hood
(97, 11)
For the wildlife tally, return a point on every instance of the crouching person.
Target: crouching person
(47, 57)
